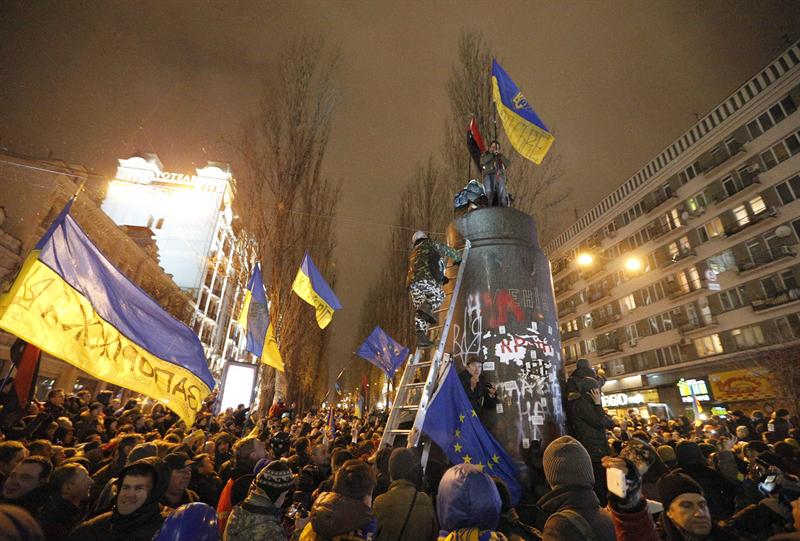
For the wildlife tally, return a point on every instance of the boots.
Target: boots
(422, 340)
(426, 313)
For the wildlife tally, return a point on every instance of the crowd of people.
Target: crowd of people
(87, 468)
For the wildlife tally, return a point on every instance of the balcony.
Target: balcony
(741, 225)
(595, 296)
(558, 265)
(594, 268)
(609, 348)
(656, 201)
(603, 321)
(692, 327)
(674, 291)
(784, 297)
(666, 260)
(767, 259)
(562, 287)
(569, 335)
(734, 149)
(746, 180)
(567, 309)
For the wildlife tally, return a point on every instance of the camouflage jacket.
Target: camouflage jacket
(425, 262)
(254, 523)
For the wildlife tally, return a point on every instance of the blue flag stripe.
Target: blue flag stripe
(318, 283)
(509, 91)
(67, 250)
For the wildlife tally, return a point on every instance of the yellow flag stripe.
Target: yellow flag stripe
(302, 286)
(272, 355)
(526, 137)
(44, 310)
(248, 295)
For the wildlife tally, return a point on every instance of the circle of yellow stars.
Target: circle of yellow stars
(466, 458)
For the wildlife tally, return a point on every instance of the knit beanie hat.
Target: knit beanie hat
(667, 454)
(673, 484)
(566, 462)
(688, 454)
(404, 464)
(274, 478)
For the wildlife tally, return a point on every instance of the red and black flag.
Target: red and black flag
(475, 143)
(14, 398)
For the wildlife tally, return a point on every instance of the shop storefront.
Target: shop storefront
(646, 402)
(697, 398)
(741, 389)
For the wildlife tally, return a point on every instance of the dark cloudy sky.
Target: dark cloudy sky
(91, 82)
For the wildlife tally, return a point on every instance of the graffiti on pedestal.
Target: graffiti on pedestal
(505, 328)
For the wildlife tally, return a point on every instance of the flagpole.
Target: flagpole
(346, 366)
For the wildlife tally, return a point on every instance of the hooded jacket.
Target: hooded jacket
(142, 524)
(468, 504)
(254, 519)
(338, 517)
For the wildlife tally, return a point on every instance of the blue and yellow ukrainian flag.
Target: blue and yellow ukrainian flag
(70, 301)
(312, 288)
(524, 128)
(255, 320)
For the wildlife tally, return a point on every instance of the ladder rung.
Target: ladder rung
(400, 431)
(411, 407)
(414, 385)
(422, 364)
(435, 327)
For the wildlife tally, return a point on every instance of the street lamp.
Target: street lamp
(584, 259)
(633, 264)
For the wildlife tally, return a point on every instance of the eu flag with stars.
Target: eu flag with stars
(455, 427)
(383, 351)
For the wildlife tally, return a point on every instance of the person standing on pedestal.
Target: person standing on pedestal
(493, 167)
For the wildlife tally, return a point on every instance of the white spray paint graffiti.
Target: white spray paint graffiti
(467, 341)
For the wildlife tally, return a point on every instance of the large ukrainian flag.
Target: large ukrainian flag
(71, 302)
(312, 288)
(524, 128)
(255, 320)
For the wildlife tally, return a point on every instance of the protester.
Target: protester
(26, 486)
(468, 505)
(259, 515)
(70, 487)
(404, 513)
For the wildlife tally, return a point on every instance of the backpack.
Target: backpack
(577, 521)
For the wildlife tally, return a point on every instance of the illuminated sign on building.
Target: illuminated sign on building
(621, 400)
(693, 387)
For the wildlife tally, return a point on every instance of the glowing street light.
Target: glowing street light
(633, 264)
(584, 259)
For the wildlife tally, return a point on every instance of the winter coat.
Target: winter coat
(634, 525)
(31, 501)
(425, 262)
(58, 518)
(761, 520)
(492, 163)
(472, 534)
(479, 398)
(719, 493)
(207, 487)
(392, 508)
(338, 517)
(514, 529)
(251, 522)
(581, 499)
(589, 422)
(141, 525)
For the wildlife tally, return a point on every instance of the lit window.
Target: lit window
(757, 205)
(708, 345)
(740, 213)
(748, 336)
(628, 303)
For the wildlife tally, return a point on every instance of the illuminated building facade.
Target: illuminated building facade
(191, 220)
(692, 264)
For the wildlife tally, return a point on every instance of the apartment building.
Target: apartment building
(672, 281)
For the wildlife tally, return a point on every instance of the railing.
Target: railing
(691, 326)
(570, 334)
(603, 321)
(784, 297)
(746, 180)
(607, 349)
(597, 295)
(657, 201)
(568, 309)
(675, 291)
(733, 149)
(667, 260)
(781, 253)
(752, 219)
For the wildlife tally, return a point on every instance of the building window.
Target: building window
(741, 215)
(731, 299)
(748, 337)
(785, 331)
(711, 230)
(757, 205)
(722, 262)
(789, 190)
(708, 345)
(696, 203)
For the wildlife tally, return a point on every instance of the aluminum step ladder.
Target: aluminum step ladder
(422, 372)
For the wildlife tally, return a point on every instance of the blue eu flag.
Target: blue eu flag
(455, 427)
(383, 351)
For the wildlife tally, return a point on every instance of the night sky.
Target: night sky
(90, 82)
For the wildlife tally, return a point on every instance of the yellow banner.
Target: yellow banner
(742, 384)
(41, 308)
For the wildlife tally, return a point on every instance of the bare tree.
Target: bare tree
(779, 366)
(283, 200)
(536, 188)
